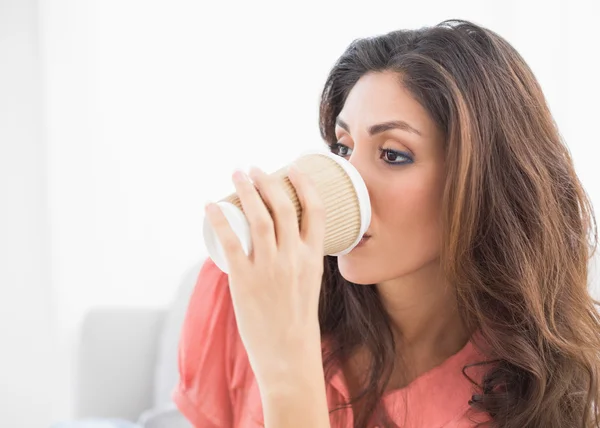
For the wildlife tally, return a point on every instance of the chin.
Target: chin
(356, 272)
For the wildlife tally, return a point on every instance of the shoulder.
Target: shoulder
(206, 349)
(209, 313)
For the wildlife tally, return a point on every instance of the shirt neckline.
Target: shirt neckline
(436, 397)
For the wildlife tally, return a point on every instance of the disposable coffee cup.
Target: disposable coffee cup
(342, 190)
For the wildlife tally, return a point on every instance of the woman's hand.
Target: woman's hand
(275, 290)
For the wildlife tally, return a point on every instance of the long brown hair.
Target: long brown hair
(518, 229)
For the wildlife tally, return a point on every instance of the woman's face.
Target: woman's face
(403, 168)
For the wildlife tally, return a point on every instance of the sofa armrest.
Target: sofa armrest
(115, 362)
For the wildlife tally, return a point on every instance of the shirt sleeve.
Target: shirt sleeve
(203, 393)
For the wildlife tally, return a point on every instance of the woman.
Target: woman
(467, 303)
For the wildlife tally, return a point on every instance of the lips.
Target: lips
(365, 237)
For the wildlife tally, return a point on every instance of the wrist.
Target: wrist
(297, 366)
(296, 398)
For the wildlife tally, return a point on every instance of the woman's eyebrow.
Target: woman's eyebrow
(382, 127)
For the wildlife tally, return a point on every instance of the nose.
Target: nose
(360, 162)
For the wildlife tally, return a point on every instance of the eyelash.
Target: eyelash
(406, 156)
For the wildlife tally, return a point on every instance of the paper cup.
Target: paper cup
(344, 195)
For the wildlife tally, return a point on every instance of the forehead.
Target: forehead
(378, 97)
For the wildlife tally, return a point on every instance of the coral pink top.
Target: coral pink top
(217, 387)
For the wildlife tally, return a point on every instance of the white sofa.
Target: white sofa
(126, 361)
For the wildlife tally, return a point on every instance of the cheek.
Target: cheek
(413, 218)
(407, 223)
(409, 208)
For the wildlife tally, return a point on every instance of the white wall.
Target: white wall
(150, 105)
(27, 367)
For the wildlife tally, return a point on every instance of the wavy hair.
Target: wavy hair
(518, 230)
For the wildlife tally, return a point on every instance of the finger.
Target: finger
(281, 206)
(262, 230)
(312, 227)
(232, 247)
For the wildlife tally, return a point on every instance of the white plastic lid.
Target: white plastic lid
(240, 226)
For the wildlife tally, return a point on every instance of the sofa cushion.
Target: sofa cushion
(166, 374)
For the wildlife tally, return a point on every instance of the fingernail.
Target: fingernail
(240, 176)
(254, 172)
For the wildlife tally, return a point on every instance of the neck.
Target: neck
(425, 319)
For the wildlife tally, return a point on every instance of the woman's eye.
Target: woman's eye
(340, 150)
(393, 157)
